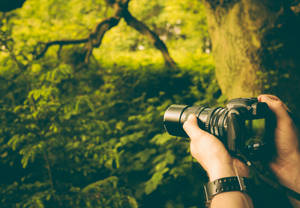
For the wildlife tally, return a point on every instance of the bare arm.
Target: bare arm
(215, 159)
(286, 166)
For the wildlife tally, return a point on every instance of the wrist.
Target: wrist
(232, 168)
(220, 171)
(288, 171)
(233, 189)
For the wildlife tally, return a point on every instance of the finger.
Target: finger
(192, 129)
(275, 105)
(206, 148)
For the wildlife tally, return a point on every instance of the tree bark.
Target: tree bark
(255, 47)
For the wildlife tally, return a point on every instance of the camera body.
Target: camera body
(241, 125)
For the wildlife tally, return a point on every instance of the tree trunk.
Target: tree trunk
(255, 47)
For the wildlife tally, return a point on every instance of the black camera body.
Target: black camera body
(241, 121)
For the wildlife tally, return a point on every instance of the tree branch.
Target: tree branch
(93, 40)
(50, 177)
(154, 38)
(60, 43)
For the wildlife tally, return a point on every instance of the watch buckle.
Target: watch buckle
(241, 183)
(207, 198)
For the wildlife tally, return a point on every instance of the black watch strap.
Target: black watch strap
(221, 185)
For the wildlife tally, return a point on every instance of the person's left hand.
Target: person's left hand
(210, 152)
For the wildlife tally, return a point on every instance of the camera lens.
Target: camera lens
(172, 119)
(211, 120)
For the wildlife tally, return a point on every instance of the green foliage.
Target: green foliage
(79, 126)
(91, 135)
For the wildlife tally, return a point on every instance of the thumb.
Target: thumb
(192, 129)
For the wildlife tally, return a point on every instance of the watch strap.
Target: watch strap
(221, 185)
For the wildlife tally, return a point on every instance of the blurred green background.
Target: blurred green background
(77, 133)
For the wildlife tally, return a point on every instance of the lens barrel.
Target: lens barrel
(211, 120)
(172, 118)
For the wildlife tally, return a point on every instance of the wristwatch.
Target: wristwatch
(221, 185)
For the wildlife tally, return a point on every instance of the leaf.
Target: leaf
(155, 180)
(14, 141)
(111, 181)
(161, 139)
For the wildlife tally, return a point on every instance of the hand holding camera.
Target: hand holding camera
(218, 134)
(286, 166)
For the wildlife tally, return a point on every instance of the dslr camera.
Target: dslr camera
(241, 125)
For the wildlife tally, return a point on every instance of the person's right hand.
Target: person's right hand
(286, 165)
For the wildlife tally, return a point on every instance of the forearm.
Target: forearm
(294, 185)
(212, 155)
(233, 199)
(288, 174)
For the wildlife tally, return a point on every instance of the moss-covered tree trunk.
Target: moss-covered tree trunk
(256, 47)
